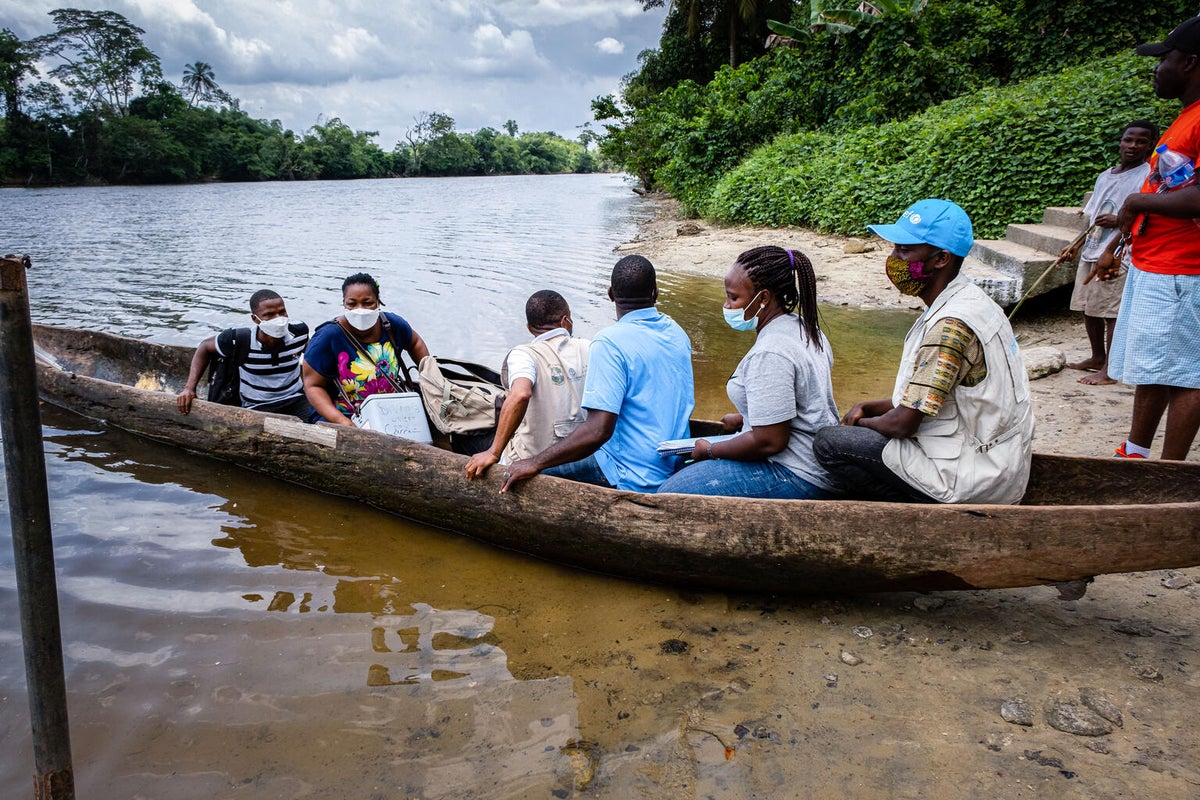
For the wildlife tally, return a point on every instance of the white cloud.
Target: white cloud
(610, 46)
(353, 43)
(560, 12)
(376, 65)
(497, 55)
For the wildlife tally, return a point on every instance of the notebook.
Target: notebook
(683, 447)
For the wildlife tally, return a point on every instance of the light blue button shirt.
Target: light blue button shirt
(641, 370)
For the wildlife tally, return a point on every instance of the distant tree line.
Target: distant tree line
(109, 116)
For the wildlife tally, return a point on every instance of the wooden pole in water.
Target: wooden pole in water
(33, 548)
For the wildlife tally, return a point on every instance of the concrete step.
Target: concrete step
(1010, 258)
(1014, 268)
(1047, 238)
(1002, 287)
(1007, 268)
(1065, 217)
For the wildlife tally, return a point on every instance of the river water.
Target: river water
(230, 635)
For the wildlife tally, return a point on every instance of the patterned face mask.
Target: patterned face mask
(909, 277)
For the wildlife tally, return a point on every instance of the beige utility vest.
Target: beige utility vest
(978, 447)
(553, 410)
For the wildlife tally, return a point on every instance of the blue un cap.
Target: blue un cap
(937, 222)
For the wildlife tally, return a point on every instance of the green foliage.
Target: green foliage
(1003, 154)
(16, 61)
(843, 128)
(433, 147)
(734, 28)
(103, 58)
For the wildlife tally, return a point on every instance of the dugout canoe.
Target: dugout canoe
(1080, 516)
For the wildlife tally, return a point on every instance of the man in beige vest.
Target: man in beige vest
(545, 383)
(958, 427)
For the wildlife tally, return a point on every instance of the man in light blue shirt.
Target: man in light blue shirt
(638, 393)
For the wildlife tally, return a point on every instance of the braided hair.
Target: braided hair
(789, 276)
(361, 279)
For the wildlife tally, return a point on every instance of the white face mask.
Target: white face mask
(362, 318)
(275, 327)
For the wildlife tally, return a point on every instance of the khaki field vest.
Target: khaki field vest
(978, 447)
(553, 410)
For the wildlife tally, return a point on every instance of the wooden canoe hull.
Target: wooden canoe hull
(1083, 516)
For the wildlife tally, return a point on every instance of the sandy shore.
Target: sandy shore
(1071, 418)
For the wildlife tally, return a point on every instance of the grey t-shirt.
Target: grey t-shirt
(785, 377)
(1109, 193)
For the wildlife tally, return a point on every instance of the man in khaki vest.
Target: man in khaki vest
(958, 427)
(545, 383)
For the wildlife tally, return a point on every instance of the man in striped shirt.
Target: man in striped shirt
(267, 358)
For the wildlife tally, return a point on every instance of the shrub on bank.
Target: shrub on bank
(1003, 154)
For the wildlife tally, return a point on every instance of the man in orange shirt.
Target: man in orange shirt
(1156, 345)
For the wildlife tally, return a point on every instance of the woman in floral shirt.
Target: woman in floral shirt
(357, 354)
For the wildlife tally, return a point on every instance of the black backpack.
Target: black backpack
(224, 381)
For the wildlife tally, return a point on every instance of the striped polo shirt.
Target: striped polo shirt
(269, 376)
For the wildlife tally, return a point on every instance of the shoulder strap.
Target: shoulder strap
(362, 351)
(242, 345)
(227, 343)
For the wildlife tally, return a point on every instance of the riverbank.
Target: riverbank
(1072, 418)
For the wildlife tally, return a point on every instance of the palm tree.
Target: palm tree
(198, 79)
(699, 13)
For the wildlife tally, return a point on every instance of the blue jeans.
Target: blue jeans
(764, 479)
(585, 470)
(854, 457)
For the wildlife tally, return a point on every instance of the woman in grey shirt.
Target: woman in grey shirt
(782, 388)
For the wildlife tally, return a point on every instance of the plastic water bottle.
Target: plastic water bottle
(1174, 168)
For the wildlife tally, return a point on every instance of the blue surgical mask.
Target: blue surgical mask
(736, 317)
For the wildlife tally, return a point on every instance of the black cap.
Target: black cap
(1185, 39)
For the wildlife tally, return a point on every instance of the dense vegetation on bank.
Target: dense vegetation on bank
(1003, 107)
(120, 121)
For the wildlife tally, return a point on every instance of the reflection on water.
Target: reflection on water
(304, 601)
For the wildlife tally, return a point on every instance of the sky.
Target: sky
(376, 64)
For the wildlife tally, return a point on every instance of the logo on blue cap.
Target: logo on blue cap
(940, 223)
